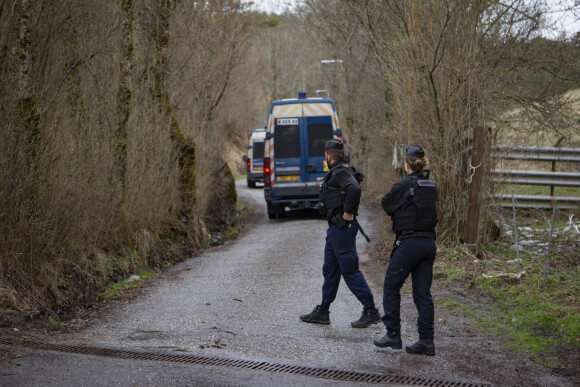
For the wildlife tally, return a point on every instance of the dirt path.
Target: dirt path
(241, 301)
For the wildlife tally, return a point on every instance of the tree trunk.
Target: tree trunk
(124, 98)
(184, 148)
(27, 135)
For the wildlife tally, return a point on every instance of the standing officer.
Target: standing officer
(339, 201)
(411, 206)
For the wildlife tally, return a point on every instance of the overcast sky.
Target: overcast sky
(274, 6)
(563, 21)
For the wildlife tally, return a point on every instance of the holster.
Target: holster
(338, 220)
(395, 246)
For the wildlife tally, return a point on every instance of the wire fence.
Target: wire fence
(538, 242)
(538, 178)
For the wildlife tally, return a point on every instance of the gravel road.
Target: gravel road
(242, 301)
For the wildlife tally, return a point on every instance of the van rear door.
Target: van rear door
(258, 156)
(319, 130)
(287, 152)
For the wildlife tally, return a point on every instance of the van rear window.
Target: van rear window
(258, 150)
(287, 141)
(318, 135)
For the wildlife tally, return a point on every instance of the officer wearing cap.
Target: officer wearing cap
(411, 206)
(339, 200)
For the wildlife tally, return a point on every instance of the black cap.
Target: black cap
(416, 151)
(334, 144)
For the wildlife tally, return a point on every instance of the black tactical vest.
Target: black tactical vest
(420, 214)
(332, 198)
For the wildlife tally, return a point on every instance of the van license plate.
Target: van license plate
(288, 178)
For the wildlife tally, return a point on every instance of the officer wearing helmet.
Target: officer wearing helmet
(411, 206)
(339, 200)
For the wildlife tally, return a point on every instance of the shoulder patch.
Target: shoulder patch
(426, 183)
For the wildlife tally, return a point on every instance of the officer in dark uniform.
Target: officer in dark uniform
(411, 206)
(339, 200)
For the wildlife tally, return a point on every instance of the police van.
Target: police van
(294, 162)
(255, 157)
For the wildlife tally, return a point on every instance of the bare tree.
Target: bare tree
(124, 95)
(99, 169)
(209, 47)
(354, 80)
(446, 66)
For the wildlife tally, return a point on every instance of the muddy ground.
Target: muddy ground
(471, 342)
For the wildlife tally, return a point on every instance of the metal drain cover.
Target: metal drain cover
(348, 376)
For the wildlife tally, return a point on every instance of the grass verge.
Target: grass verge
(240, 218)
(543, 324)
(114, 290)
(243, 213)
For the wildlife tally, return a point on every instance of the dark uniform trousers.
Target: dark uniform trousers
(414, 256)
(340, 257)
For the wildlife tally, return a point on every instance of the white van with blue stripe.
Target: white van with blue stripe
(294, 162)
(255, 158)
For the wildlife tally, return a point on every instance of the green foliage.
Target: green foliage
(538, 189)
(449, 274)
(453, 254)
(466, 310)
(504, 251)
(114, 290)
(269, 20)
(243, 212)
(112, 266)
(444, 267)
(126, 5)
(534, 325)
(53, 322)
(449, 304)
(148, 274)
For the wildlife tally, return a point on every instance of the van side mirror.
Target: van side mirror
(244, 158)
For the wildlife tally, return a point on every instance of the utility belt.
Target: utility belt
(331, 206)
(417, 234)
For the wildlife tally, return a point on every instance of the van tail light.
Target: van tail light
(248, 164)
(267, 182)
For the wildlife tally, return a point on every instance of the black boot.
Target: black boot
(368, 317)
(317, 316)
(422, 347)
(392, 340)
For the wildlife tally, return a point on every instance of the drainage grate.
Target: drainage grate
(247, 364)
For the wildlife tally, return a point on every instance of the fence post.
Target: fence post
(549, 247)
(473, 194)
(554, 163)
(516, 231)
